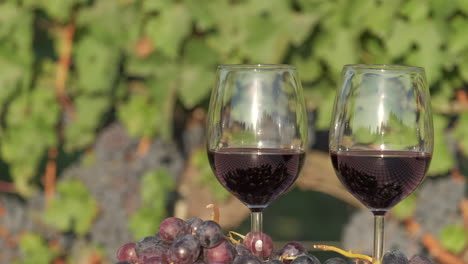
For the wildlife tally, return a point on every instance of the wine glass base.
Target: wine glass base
(257, 208)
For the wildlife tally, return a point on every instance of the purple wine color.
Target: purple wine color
(380, 179)
(256, 176)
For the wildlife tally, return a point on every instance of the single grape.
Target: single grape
(172, 228)
(194, 224)
(210, 234)
(395, 257)
(291, 249)
(127, 253)
(247, 259)
(154, 260)
(147, 242)
(260, 244)
(150, 247)
(306, 259)
(224, 252)
(418, 259)
(185, 250)
(242, 250)
(335, 261)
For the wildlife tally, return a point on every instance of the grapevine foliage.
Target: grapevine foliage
(69, 68)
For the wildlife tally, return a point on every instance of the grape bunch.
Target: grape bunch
(195, 241)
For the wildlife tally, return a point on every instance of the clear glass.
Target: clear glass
(256, 132)
(381, 136)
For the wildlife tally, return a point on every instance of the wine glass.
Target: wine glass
(256, 133)
(381, 136)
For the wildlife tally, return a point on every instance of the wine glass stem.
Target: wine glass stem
(378, 236)
(256, 221)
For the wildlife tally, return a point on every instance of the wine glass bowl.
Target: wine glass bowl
(381, 135)
(256, 132)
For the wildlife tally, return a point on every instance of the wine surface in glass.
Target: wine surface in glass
(256, 176)
(380, 179)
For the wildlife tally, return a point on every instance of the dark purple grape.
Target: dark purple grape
(185, 250)
(260, 244)
(274, 261)
(394, 257)
(291, 249)
(127, 253)
(210, 234)
(246, 259)
(154, 260)
(194, 224)
(242, 250)
(418, 259)
(147, 242)
(306, 259)
(172, 228)
(224, 252)
(152, 246)
(335, 261)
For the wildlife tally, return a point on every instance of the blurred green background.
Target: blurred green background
(102, 106)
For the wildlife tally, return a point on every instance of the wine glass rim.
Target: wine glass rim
(259, 66)
(384, 67)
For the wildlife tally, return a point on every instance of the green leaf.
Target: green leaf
(59, 9)
(265, 41)
(405, 208)
(454, 238)
(429, 54)
(149, 113)
(82, 127)
(458, 41)
(161, 31)
(460, 132)
(146, 221)
(401, 38)
(309, 68)
(154, 6)
(325, 110)
(338, 49)
(74, 209)
(380, 18)
(97, 66)
(195, 84)
(35, 249)
(116, 23)
(442, 158)
(201, 13)
(415, 10)
(154, 189)
(155, 185)
(30, 123)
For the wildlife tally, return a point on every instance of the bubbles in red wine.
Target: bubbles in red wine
(256, 176)
(380, 179)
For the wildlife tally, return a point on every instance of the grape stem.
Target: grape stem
(349, 254)
(215, 213)
(233, 240)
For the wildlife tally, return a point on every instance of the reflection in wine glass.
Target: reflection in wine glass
(381, 136)
(257, 133)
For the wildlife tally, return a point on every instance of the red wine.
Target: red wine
(380, 179)
(256, 176)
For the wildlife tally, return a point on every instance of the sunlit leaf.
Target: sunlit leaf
(161, 31)
(73, 209)
(454, 238)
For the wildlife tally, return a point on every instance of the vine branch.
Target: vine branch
(63, 69)
(438, 252)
